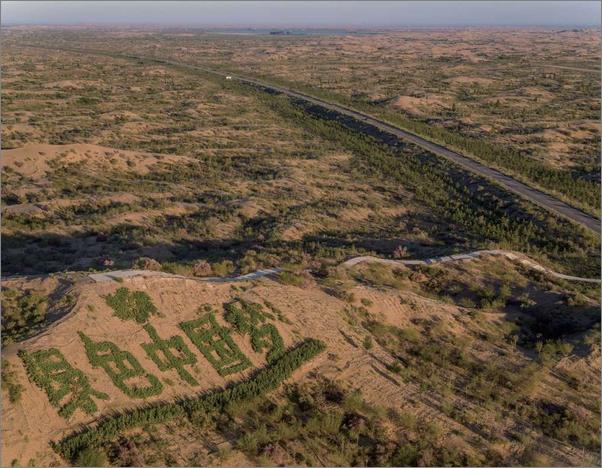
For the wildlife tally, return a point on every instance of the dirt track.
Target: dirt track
(514, 256)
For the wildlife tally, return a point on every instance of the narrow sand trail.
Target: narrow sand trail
(508, 254)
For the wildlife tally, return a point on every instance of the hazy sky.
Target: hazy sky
(286, 13)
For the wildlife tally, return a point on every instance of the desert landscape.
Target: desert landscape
(199, 269)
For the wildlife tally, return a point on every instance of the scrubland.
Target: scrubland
(111, 163)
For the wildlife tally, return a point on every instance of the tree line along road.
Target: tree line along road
(525, 191)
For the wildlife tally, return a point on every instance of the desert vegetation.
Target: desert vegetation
(131, 305)
(216, 344)
(250, 319)
(121, 366)
(112, 161)
(485, 92)
(219, 193)
(265, 379)
(50, 371)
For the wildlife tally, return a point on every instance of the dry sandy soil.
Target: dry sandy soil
(313, 312)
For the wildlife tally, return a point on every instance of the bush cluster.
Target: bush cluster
(10, 382)
(131, 305)
(170, 360)
(120, 366)
(250, 319)
(50, 371)
(264, 380)
(216, 344)
(20, 312)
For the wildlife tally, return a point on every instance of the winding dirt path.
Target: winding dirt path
(508, 254)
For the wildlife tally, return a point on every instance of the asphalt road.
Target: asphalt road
(538, 197)
(531, 194)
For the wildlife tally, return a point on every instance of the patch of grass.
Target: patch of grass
(91, 457)
(292, 278)
(223, 268)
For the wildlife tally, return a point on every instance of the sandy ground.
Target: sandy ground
(32, 160)
(312, 313)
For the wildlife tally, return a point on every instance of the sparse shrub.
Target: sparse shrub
(293, 279)
(400, 252)
(147, 263)
(379, 276)
(525, 301)
(223, 268)
(368, 342)
(10, 383)
(91, 457)
(202, 268)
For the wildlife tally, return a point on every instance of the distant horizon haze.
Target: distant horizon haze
(303, 14)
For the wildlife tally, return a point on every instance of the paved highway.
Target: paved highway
(536, 196)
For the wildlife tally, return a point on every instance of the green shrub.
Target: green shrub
(291, 278)
(264, 380)
(20, 312)
(250, 318)
(169, 360)
(120, 366)
(50, 371)
(216, 344)
(131, 305)
(223, 268)
(368, 342)
(10, 383)
(91, 457)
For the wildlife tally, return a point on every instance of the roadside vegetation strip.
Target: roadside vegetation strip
(264, 380)
(576, 191)
(556, 190)
(469, 204)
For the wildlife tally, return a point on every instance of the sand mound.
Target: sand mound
(34, 160)
(418, 105)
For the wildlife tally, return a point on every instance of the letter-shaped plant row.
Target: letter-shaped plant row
(170, 360)
(131, 305)
(121, 366)
(216, 344)
(264, 380)
(250, 319)
(50, 371)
